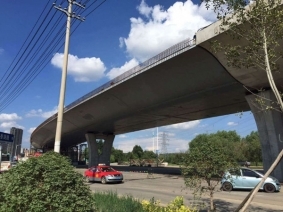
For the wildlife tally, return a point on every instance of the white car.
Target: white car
(245, 178)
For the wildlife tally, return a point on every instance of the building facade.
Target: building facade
(15, 147)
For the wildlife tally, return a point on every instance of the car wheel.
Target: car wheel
(103, 180)
(269, 188)
(227, 186)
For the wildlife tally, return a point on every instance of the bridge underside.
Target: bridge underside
(190, 86)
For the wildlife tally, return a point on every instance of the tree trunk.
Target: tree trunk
(278, 97)
(211, 201)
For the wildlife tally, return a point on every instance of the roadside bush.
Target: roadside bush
(110, 201)
(42, 184)
(177, 205)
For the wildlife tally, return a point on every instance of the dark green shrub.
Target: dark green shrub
(45, 183)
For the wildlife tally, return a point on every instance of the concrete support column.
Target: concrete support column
(94, 157)
(106, 152)
(270, 128)
(92, 149)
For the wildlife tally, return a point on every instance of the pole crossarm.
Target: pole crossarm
(72, 14)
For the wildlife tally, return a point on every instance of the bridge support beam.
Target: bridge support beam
(94, 157)
(270, 128)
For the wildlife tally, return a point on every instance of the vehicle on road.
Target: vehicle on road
(103, 174)
(245, 178)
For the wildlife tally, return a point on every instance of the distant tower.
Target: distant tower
(164, 138)
(17, 144)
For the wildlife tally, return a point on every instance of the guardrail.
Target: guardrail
(163, 56)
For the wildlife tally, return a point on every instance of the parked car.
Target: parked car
(103, 174)
(245, 178)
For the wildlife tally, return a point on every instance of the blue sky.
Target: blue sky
(114, 38)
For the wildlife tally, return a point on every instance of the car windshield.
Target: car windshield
(250, 173)
(107, 169)
(235, 172)
(259, 173)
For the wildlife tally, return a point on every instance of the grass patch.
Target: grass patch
(111, 202)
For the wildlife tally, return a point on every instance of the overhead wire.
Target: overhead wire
(25, 56)
(5, 79)
(13, 92)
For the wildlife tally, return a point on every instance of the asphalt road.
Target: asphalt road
(165, 187)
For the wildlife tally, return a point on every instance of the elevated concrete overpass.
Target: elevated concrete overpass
(185, 82)
(191, 85)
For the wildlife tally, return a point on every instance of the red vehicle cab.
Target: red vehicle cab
(103, 174)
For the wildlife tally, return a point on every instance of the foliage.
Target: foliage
(226, 139)
(100, 143)
(45, 183)
(175, 158)
(138, 151)
(130, 156)
(177, 205)
(110, 201)
(205, 162)
(257, 34)
(253, 149)
(148, 155)
(118, 155)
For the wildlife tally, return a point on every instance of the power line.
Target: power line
(35, 53)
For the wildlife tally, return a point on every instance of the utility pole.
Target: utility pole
(70, 15)
(164, 143)
(157, 150)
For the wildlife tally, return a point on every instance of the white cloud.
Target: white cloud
(1, 50)
(144, 9)
(185, 125)
(10, 124)
(122, 136)
(114, 72)
(82, 69)
(231, 123)
(30, 130)
(41, 113)
(9, 117)
(174, 144)
(8, 121)
(158, 28)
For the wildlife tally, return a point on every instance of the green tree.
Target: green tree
(229, 140)
(241, 151)
(254, 153)
(148, 155)
(138, 151)
(118, 154)
(130, 156)
(45, 183)
(100, 143)
(204, 164)
(257, 35)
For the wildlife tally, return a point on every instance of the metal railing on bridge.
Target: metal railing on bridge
(163, 56)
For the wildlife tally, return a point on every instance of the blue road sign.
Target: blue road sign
(5, 137)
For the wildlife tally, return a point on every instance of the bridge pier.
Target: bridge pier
(270, 128)
(94, 157)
